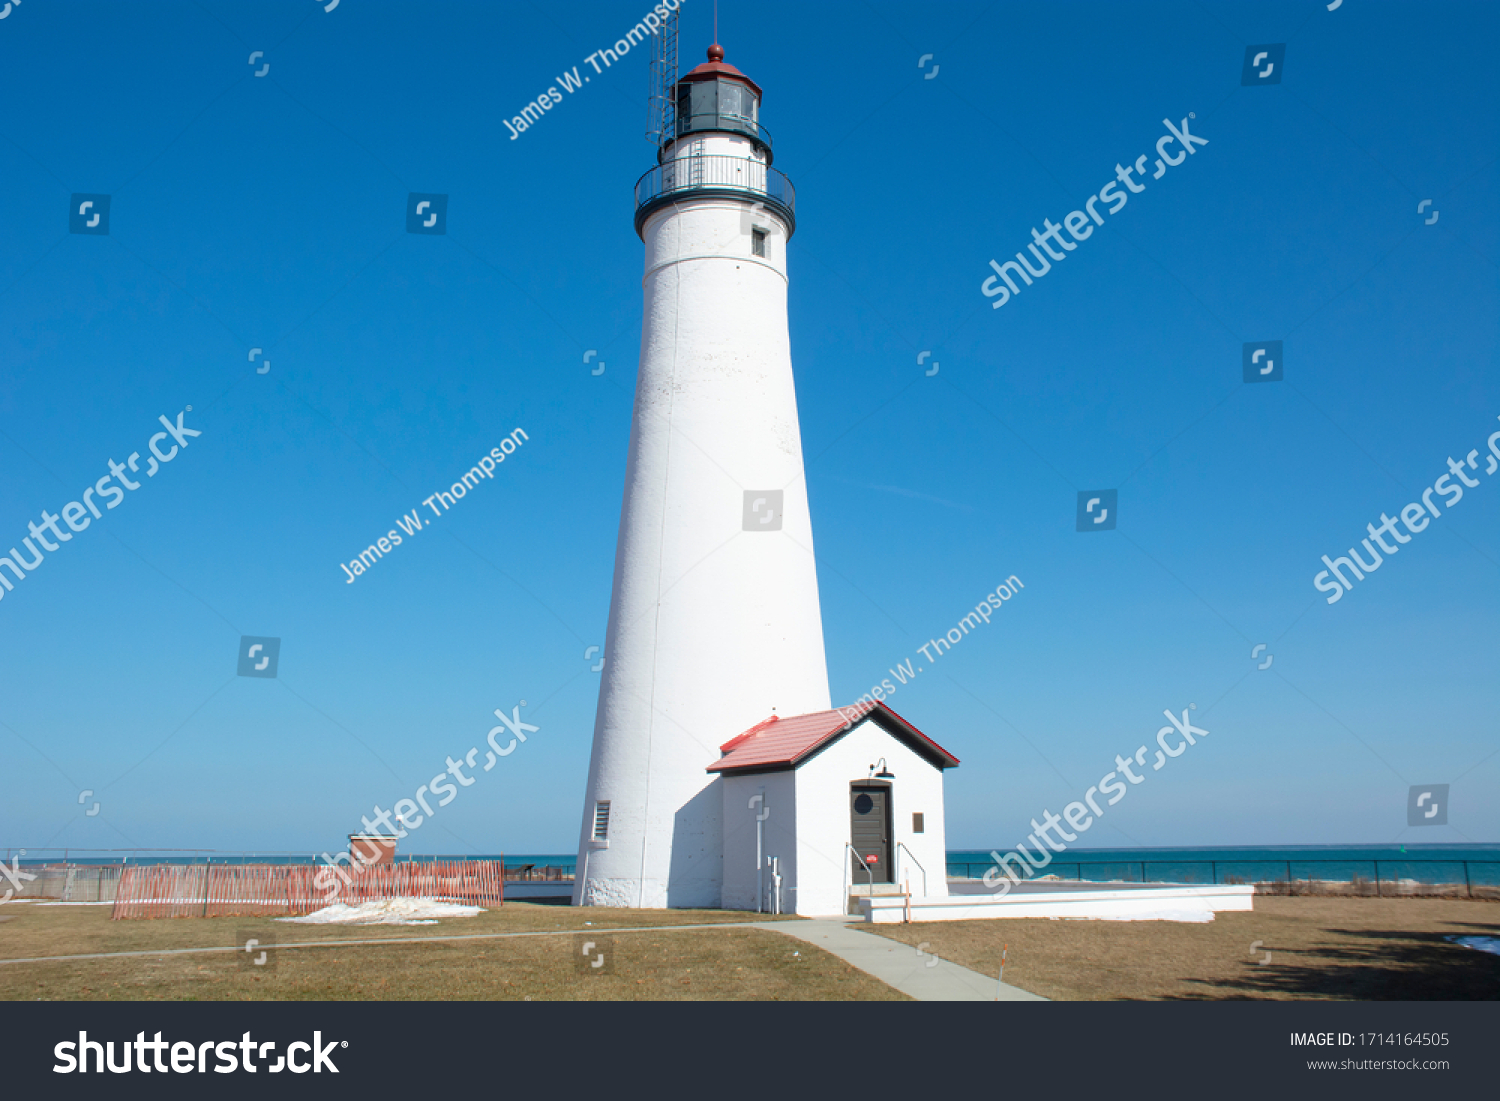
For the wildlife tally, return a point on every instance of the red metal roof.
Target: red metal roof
(779, 743)
(716, 66)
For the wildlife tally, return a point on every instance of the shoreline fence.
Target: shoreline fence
(222, 890)
(88, 879)
(554, 867)
(1386, 877)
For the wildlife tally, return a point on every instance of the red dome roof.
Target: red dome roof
(716, 67)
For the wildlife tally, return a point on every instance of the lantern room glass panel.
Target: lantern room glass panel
(723, 105)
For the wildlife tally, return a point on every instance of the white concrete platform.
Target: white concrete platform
(1139, 902)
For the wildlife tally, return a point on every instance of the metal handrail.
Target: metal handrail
(869, 871)
(902, 845)
(716, 172)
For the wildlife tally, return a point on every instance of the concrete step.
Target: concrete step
(877, 890)
(865, 890)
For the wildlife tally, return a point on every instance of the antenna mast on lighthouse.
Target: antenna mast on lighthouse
(661, 113)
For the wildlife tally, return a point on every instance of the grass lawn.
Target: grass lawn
(1321, 948)
(727, 964)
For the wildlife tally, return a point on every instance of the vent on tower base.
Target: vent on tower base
(601, 820)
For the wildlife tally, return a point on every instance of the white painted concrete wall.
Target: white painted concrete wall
(823, 817)
(815, 864)
(718, 144)
(771, 794)
(1170, 903)
(711, 628)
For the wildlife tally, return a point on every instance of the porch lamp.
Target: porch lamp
(884, 773)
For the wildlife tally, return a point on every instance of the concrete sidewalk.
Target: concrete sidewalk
(918, 974)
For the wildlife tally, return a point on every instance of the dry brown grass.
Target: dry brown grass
(727, 964)
(1321, 948)
(1361, 887)
(71, 930)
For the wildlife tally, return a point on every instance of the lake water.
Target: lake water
(1477, 864)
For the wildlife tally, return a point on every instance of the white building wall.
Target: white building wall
(823, 817)
(746, 798)
(711, 627)
(715, 143)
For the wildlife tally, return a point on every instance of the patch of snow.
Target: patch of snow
(387, 911)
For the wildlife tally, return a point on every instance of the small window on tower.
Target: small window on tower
(918, 823)
(601, 820)
(757, 242)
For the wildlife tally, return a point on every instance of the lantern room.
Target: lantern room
(717, 97)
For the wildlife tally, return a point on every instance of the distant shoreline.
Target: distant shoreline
(1482, 852)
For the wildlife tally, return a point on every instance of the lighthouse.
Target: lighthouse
(714, 622)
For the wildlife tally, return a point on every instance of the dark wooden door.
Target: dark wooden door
(870, 832)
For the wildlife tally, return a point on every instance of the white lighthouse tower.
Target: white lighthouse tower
(714, 622)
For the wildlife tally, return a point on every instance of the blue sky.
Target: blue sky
(269, 212)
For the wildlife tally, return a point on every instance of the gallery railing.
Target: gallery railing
(715, 173)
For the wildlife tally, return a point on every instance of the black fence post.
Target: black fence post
(1468, 884)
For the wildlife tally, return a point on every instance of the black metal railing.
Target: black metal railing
(723, 122)
(538, 873)
(1466, 874)
(714, 173)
